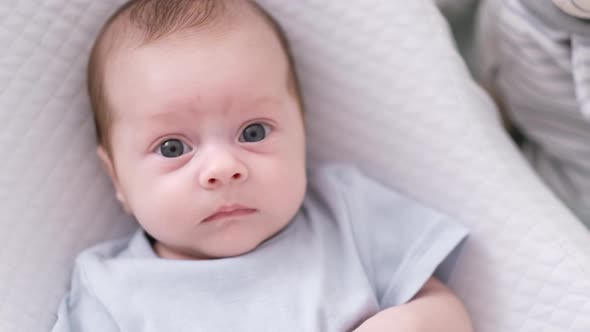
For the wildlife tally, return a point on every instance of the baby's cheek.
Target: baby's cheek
(160, 205)
(286, 182)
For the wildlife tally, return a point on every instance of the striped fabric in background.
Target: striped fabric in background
(537, 60)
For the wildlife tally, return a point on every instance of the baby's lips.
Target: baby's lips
(226, 211)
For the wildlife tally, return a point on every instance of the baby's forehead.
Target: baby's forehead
(130, 31)
(128, 36)
(174, 74)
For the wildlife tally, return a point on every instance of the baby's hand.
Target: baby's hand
(389, 321)
(434, 308)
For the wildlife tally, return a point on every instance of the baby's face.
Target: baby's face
(205, 123)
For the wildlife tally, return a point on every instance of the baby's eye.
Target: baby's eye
(173, 148)
(255, 132)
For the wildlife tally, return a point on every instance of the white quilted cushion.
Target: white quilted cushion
(384, 90)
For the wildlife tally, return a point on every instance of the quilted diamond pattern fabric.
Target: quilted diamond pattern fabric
(384, 89)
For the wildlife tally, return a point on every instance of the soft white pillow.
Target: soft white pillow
(384, 89)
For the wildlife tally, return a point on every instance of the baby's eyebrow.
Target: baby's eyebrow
(265, 100)
(174, 110)
(180, 113)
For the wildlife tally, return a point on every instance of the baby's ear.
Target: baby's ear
(107, 163)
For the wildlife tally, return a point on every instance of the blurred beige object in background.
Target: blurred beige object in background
(577, 8)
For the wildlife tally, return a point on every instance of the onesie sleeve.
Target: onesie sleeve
(400, 241)
(81, 311)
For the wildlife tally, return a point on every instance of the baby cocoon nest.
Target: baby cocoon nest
(200, 127)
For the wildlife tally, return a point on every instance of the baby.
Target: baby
(200, 126)
(535, 57)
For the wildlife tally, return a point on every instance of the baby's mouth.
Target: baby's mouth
(228, 211)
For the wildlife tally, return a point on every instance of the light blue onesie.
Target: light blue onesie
(354, 248)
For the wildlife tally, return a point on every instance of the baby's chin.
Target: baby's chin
(228, 238)
(221, 249)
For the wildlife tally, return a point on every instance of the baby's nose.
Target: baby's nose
(223, 170)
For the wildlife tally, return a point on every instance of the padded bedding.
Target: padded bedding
(384, 89)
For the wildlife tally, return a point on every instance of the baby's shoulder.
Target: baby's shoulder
(336, 175)
(339, 187)
(98, 255)
(348, 180)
